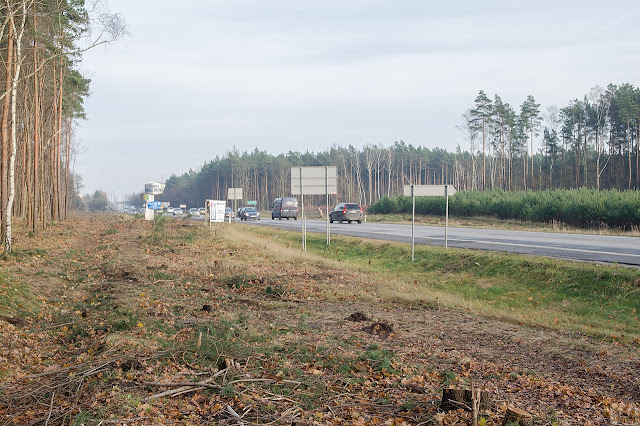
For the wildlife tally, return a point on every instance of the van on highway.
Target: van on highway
(285, 207)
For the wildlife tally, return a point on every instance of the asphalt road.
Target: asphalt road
(590, 248)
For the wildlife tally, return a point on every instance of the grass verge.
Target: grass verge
(599, 300)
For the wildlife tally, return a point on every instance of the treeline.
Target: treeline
(583, 207)
(591, 143)
(42, 95)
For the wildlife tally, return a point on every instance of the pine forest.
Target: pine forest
(41, 44)
(590, 143)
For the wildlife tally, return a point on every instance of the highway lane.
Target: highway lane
(582, 247)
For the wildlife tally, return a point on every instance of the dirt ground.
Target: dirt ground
(121, 318)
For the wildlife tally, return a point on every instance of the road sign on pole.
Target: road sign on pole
(414, 191)
(154, 188)
(429, 190)
(234, 194)
(154, 205)
(320, 180)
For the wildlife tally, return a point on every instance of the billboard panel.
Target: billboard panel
(216, 210)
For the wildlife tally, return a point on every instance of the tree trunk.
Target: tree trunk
(36, 139)
(4, 168)
(14, 146)
(59, 148)
(532, 174)
(66, 172)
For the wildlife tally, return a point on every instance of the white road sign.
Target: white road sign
(429, 190)
(321, 180)
(234, 194)
(154, 188)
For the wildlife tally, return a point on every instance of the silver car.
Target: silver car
(346, 211)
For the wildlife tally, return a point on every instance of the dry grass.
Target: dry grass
(111, 297)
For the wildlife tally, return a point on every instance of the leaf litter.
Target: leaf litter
(193, 330)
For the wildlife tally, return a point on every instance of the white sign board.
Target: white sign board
(154, 188)
(216, 210)
(321, 180)
(429, 190)
(414, 191)
(234, 194)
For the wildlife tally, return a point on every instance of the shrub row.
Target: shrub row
(582, 207)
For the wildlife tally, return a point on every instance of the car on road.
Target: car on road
(177, 211)
(228, 213)
(346, 211)
(170, 210)
(202, 211)
(194, 212)
(247, 213)
(285, 207)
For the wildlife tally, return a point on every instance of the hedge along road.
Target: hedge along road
(590, 248)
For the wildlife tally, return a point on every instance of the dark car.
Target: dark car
(346, 211)
(285, 207)
(247, 213)
(228, 213)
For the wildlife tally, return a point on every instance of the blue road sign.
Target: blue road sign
(154, 205)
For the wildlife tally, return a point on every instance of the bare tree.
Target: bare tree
(369, 153)
(600, 103)
(470, 132)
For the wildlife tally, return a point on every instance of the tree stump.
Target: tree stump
(452, 399)
(517, 415)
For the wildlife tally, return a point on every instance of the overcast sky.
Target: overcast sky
(196, 78)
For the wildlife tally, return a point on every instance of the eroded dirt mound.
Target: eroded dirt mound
(379, 328)
(357, 317)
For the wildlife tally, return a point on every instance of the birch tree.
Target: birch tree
(17, 17)
(54, 54)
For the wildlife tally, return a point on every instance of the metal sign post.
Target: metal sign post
(234, 194)
(304, 219)
(326, 174)
(413, 223)
(429, 191)
(446, 218)
(313, 181)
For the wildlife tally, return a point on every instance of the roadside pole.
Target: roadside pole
(429, 191)
(234, 194)
(413, 224)
(446, 218)
(315, 180)
(304, 218)
(326, 178)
